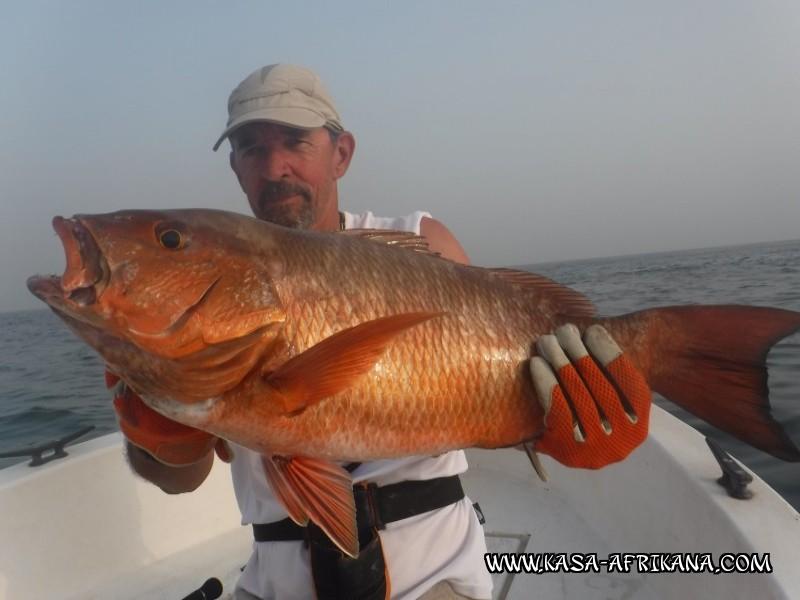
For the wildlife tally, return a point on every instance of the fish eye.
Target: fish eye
(171, 239)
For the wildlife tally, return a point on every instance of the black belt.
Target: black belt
(376, 506)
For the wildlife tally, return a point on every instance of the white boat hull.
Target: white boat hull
(84, 527)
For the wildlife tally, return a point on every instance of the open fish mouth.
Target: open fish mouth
(86, 273)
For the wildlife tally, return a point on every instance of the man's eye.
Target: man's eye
(294, 142)
(252, 150)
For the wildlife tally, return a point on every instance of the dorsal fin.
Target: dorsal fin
(399, 239)
(565, 301)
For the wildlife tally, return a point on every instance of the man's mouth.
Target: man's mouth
(280, 191)
(280, 199)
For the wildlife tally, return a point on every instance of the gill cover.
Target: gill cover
(190, 291)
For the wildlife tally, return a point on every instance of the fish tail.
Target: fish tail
(711, 361)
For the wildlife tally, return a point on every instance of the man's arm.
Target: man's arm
(442, 241)
(172, 456)
(171, 479)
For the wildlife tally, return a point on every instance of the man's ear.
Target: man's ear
(343, 153)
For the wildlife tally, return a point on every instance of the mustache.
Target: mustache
(276, 190)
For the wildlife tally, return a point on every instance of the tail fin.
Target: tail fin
(711, 360)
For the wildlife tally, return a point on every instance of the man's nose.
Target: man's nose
(276, 165)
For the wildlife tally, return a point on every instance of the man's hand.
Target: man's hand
(594, 415)
(167, 441)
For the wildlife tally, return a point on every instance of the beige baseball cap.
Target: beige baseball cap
(285, 94)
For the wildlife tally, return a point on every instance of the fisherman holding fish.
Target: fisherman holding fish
(423, 538)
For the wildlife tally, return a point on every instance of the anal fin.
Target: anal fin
(319, 490)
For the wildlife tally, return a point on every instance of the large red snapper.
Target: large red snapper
(354, 346)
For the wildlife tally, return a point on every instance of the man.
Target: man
(288, 150)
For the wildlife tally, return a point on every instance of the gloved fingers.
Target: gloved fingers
(170, 442)
(175, 454)
(111, 379)
(596, 404)
(558, 415)
(589, 420)
(610, 405)
(115, 384)
(134, 412)
(561, 438)
(631, 386)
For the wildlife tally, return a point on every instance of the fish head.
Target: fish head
(167, 294)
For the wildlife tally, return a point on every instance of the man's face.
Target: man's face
(289, 175)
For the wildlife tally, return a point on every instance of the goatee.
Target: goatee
(280, 213)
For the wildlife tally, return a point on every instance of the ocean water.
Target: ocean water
(51, 384)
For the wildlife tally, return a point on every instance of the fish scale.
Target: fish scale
(353, 346)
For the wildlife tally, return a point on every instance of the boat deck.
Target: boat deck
(525, 515)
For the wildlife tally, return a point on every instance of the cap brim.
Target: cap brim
(301, 118)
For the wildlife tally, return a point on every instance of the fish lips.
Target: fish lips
(86, 272)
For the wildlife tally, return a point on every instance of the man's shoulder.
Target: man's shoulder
(440, 239)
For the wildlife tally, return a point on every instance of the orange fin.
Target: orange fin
(310, 488)
(548, 295)
(537, 465)
(711, 360)
(337, 362)
(398, 239)
(282, 490)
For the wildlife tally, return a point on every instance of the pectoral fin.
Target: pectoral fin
(337, 362)
(310, 488)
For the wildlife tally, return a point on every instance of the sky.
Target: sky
(535, 131)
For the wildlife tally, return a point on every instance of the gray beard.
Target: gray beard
(288, 216)
(282, 214)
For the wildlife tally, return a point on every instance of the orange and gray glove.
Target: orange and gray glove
(167, 441)
(596, 403)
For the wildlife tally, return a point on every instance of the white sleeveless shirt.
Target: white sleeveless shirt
(417, 554)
